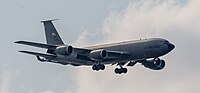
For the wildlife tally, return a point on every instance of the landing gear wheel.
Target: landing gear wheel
(102, 67)
(120, 70)
(98, 67)
(124, 70)
(94, 67)
(117, 71)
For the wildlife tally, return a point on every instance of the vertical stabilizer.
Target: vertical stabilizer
(52, 36)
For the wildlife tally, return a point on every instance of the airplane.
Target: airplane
(127, 53)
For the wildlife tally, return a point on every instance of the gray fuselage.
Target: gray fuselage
(138, 50)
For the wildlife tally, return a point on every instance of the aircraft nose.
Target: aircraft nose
(170, 46)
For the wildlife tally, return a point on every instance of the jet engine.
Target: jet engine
(98, 55)
(64, 50)
(154, 64)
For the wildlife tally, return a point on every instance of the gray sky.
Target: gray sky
(95, 22)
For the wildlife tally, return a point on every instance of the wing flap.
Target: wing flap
(39, 54)
(117, 54)
(40, 45)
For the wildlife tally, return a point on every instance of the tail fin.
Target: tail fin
(52, 36)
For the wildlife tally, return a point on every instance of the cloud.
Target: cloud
(82, 39)
(175, 20)
(48, 91)
(141, 19)
(6, 80)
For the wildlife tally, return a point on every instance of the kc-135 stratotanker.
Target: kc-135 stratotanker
(122, 54)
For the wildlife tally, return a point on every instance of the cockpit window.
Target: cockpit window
(166, 42)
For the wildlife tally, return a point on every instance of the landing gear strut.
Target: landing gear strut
(98, 67)
(121, 70)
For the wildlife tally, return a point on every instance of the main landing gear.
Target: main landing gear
(98, 67)
(121, 70)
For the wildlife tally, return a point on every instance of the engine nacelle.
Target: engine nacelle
(98, 55)
(154, 64)
(64, 50)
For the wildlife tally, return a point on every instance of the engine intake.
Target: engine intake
(64, 50)
(98, 55)
(154, 64)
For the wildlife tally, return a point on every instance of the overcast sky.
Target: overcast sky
(92, 22)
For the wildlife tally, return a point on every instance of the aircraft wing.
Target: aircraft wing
(39, 54)
(117, 54)
(82, 53)
(47, 46)
(51, 47)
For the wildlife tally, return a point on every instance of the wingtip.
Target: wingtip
(17, 41)
(21, 51)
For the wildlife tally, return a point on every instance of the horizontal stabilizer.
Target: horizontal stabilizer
(47, 46)
(49, 20)
(39, 54)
